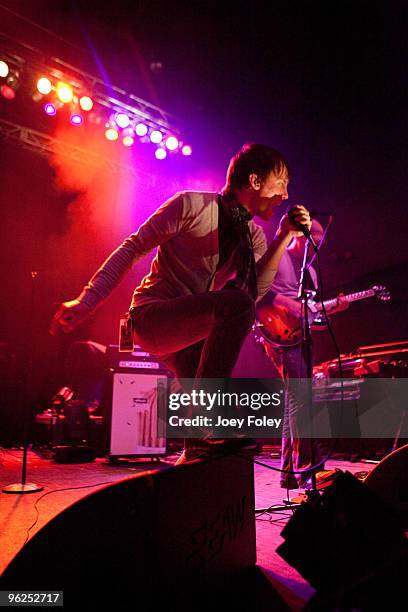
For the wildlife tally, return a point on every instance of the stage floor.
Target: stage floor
(21, 516)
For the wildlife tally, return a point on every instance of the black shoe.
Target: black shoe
(215, 446)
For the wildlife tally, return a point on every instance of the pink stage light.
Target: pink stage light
(7, 92)
(76, 119)
(128, 141)
(160, 153)
(111, 134)
(172, 143)
(141, 129)
(186, 150)
(50, 109)
(128, 137)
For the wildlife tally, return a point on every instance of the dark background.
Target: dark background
(324, 82)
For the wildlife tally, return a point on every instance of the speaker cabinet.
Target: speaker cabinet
(389, 480)
(136, 414)
(148, 539)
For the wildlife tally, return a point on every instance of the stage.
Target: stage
(65, 484)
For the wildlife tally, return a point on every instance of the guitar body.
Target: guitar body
(281, 328)
(278, 325)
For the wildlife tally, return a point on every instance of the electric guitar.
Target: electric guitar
(282, 328)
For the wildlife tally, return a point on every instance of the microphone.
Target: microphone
(303, 228)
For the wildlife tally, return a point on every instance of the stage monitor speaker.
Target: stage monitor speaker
(136, 414)
(348, 537)
(389, 479)
(147, 540)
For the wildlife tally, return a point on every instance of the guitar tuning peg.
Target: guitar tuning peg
(382, 293)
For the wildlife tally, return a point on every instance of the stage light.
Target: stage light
(4, 69)
(156, 67)
(160, 153)
(156, 136)
(50, 109)
(122, 120)
(111, 134)
(128, 137)
(186, 150)
(172, 143)
(86, 103)
(64, 92)
(141, 129)
(128, 141)
(44, 86)
(7, 92)
(76, 119)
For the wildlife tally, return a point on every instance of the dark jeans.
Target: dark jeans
(296, 449)
(196, 336)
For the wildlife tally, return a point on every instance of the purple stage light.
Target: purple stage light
(141, 129)
(186, 150)
(160, 153)
(50, 109)
(122, 120)
(76, 119)
(172, 143)
(156, 136)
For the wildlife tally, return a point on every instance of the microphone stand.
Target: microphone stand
(306, 349)
(24, 486)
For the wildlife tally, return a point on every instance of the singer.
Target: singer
(196, 305)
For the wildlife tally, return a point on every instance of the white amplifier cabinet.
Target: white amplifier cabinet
(138, 413)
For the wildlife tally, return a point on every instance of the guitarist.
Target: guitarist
(289, 362)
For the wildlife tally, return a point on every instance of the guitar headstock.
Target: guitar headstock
(382, 293)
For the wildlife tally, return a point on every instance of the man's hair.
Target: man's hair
(254, 159)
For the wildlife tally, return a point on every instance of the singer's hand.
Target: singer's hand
(297, 214)
(69, 316)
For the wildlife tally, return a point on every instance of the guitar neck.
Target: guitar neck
(351, 297)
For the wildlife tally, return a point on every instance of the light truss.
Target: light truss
(123, 101)
(104, 95)
(45, 145)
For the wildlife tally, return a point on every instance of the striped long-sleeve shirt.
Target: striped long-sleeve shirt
(185, 230)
